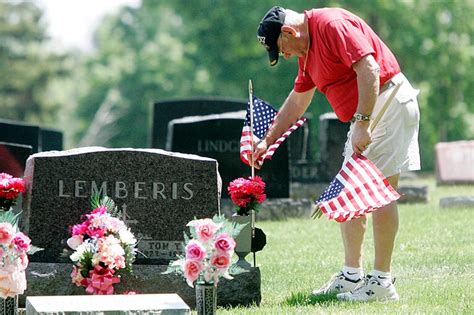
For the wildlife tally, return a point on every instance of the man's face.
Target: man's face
(285, 44)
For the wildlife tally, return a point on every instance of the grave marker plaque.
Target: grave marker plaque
(157, 193)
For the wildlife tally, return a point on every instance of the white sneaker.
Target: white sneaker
(370, 290)
(338, 283)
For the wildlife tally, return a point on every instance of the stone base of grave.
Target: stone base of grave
(275, 209)
(54, 279)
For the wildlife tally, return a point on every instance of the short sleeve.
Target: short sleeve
(303, 83)
(347, 41)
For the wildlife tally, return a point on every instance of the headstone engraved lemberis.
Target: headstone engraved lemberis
(157, 193)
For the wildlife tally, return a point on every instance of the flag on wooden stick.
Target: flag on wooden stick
(358, 188)
(263, 116)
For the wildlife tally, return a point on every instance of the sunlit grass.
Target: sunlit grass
(433, 262)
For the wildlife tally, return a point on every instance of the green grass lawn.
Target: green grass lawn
(433, 262)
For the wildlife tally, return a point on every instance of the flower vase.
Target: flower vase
(206, 298)
(9, 305)
(243, 240)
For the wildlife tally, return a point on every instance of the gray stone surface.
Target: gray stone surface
(54, 279)
(276, 208)
(413, 193)
(458, 201)
(170, 304)
(304, 172)
(455, 162)
(51, 139)
(157, 192)
(332, 137)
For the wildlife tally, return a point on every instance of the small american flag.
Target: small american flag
(357, 189)
(263, 116)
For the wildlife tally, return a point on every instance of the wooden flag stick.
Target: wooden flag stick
(251, 126)
(382, 111)
(252, 162)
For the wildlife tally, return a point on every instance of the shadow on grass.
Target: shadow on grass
(302, 299)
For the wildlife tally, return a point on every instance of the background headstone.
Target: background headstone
(332, 138)
(165, 111)
(455, 162)
(218, 136)
(13, 158)
(413, 193)
(51, 139)
(303, 166)
(21, 133)
(157, 192)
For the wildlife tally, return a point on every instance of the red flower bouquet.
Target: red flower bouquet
(247, 194)
(10, 189)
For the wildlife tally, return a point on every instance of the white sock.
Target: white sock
(384, 278)
(353, 273)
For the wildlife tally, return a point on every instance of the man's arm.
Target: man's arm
(367, 70)
(293, 108)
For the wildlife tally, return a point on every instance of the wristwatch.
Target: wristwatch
(360, 117)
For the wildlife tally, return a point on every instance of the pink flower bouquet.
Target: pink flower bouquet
(103, 248)
(10, 189)
(208, 253)
(14, 249)
(247, 194)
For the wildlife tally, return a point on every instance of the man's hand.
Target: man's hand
(360, 136)
(259, 149)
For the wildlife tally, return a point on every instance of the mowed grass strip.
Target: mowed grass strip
(433, 262)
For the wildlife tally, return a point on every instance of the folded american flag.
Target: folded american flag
(263, 116)
(357, 189)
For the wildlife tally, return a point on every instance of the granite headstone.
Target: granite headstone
(51, 139)
(13, 158)
(157, 193)
(21, 133)
(165, 111)
(218, 136)
(455, 162)
(332, 138)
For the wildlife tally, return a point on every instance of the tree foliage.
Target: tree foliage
(175, 49)
(26, 65)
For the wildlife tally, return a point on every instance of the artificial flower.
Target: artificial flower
(103, 247)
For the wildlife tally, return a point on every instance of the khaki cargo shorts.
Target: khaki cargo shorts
(394, 148)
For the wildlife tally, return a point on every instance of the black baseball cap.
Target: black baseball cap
(269, 30)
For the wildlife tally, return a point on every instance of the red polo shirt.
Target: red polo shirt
(338, 40)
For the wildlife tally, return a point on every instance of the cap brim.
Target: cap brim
(273, 55)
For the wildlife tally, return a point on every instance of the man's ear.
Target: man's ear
(290, 30)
